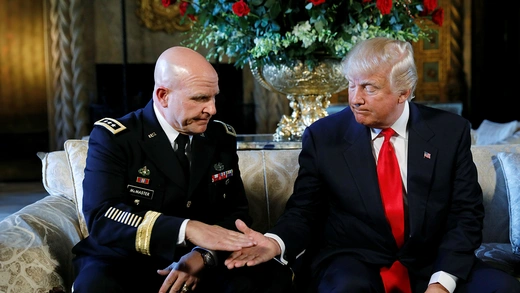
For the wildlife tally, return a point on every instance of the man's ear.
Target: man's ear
(404, 95)
(162, 96)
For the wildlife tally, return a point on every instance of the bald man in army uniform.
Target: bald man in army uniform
(154, 225)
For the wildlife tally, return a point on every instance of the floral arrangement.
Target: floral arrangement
(274, 31)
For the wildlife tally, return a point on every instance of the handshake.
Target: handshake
(248, 248)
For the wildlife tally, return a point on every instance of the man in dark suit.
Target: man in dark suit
(156, 225)
(337, 212)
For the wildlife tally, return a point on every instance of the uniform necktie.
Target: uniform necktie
(183, 143)
(394, 278)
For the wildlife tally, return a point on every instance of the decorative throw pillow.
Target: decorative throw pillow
(76, 151)
(513, 139)
(492, 132)
(510, 163)
(56, 176)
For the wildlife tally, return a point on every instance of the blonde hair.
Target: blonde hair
(377, 54)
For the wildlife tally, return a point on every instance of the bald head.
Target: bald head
(178, 63)
(186, 85)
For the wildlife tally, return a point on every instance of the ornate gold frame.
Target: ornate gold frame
(156, 17)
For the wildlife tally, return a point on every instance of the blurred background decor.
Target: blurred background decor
(282, 33)
(457, 66)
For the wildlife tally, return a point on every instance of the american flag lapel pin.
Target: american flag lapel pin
(427, 155)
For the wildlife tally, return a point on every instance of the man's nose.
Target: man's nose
(354, 97)
(211, 108)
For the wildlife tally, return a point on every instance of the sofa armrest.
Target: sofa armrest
(36, 244)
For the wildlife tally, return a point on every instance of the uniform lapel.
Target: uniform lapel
(158, 149)
(202, 150)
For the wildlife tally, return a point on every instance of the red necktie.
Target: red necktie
(394, 278)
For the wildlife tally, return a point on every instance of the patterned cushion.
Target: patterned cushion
(510, 163)
(281, 168)
(36, 246)
(250, 164)
(76, 151)
(56, 176)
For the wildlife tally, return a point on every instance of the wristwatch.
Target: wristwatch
(207, 257)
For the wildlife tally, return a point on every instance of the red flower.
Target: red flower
(438, 16)
(316, 2)
(385, 6)
(166, 3)
(183, 7)
(429, 5)
(240, 8)
(182, 10)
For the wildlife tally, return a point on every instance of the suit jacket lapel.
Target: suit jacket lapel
(421, 162)
(157, 147)
(360, 160)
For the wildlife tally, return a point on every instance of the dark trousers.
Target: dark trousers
(346, 274)
(101, 275)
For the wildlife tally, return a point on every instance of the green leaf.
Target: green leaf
(333, 25)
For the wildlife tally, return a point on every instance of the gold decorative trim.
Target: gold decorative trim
(144, 232)
(156, 17)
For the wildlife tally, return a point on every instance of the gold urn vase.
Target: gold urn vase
(308, 91)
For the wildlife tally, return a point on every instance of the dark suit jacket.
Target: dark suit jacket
(336, 199)
(132, 172)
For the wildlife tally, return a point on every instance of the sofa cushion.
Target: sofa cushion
(56, 175)
(36, 246)
(510, 163)
(76, 151)
(251, 164)
(513, 139)
(492, 180)
(492, 132)
(281, 170)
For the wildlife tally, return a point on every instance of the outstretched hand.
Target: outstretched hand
(265, 249)
(215, 237)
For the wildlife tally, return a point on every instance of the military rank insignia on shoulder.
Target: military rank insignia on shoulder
(229, 128)
(111, 124)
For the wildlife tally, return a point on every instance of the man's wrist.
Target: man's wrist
(207, 257)
(279, 250)
(280, 246)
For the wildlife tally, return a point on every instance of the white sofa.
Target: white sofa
(36, 242)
